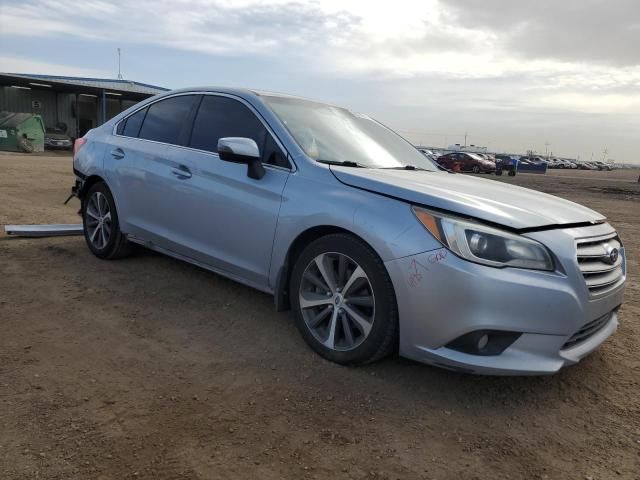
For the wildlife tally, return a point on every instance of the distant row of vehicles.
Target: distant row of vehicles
(486, 162)
(473, 162)
(553, 162)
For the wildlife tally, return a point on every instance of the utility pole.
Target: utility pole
(546, 149)
(465, 139)
(604, 153)
(119, 74)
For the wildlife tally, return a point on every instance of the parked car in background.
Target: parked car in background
(535, 160)
(426, 151)
(559, 163)
(603, 166)
(587, 166)
(506, 162)
(429, 154)
(467, 162)
(572, 164)
(373, 248)
(488, 156)
(56, 138)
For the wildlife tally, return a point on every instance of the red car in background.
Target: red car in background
(467, 162)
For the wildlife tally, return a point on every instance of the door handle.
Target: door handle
(118, 154)
(182, 172)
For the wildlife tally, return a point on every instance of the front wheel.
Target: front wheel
(343, 300)
(475, 169)
(101, 226)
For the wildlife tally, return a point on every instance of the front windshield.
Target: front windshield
(332, 134)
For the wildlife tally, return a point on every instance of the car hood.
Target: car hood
(485, 199)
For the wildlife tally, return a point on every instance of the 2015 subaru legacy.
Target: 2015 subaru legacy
(373, 247)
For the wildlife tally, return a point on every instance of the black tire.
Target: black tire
(498, 172)
(383, 336)
(512, 173)
(475, 169)
(117, 246)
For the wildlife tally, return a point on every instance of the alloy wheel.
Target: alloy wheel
(98, 220)
(337, 301)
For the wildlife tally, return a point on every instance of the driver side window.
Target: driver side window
(220, 117)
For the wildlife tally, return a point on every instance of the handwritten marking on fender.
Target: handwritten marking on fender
(439, 256)
(416, 268)
(415, 277)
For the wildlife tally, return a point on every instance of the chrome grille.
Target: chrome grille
(594, 261)
(587, 331)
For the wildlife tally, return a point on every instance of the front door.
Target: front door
(229, 220)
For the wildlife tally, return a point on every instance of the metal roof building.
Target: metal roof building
(79, 103)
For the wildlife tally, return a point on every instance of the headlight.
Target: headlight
(482, 244)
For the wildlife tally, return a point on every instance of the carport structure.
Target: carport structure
(79, 103)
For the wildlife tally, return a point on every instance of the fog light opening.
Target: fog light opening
(484, 342)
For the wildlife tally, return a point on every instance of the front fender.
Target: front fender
(386, 224)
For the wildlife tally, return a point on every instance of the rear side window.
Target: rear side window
(131, 126)
(220, 117)
(166, 120)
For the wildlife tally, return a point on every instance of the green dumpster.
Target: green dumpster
(21, 132)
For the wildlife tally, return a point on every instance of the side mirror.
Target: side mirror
(242, 150)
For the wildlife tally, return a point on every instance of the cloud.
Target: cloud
(502, 69)
(24, 65)
(461, 38)
(213, 27)
(594, 31)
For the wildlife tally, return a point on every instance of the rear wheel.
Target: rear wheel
(475, 169)
(101, 227)
(343, 300)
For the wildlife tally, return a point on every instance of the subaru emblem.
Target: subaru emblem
(611, 254)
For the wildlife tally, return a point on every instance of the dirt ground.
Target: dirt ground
(151, 368)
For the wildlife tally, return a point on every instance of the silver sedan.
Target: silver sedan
(373, 247)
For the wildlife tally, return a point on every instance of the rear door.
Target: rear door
(143, 174)
(229, 219)
(466, 161)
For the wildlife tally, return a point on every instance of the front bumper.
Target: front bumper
(442, 297)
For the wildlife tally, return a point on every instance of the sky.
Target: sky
(513, 75)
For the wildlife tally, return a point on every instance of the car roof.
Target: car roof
(244, 93)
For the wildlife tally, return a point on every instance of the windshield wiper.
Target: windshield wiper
(406, 167)
(343, 163)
